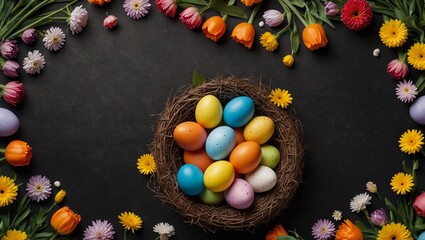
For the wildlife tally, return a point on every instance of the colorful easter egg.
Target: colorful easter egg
(240, 194)
(262, 179)
(208, 111)
(238, 111)
(190, 135)
(260, 129)
(212, 198)
(417, 110)
(9, 123)
(198, 158)
(219, 176)
(245, 157)
(270, 156)
(220, 142)
(190, 179)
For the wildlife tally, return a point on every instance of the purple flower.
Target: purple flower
(29, 36)
(331, 9)
(379, 217)
(323, 229)
(9, 49)
(397, 69)
(273, 18)
(136, 9)
(99, 230)
(406, 91)
(39, 188)
(10, 68)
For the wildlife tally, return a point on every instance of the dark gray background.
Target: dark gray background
(90, 114)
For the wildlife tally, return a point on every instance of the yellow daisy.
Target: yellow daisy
(146, 164)
(14, 235)
(280, 97)
(416, 56)
(411, 141)
(394, 231)
(402, 183)
(269, 41)
(130, 221)
(8, 191)
(393, 33)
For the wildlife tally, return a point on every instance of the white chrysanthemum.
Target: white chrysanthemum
(78, 19)
(34, 62)
(164, 229)
(406, 91)
(359, 202)
(337, 215)
(54, 39)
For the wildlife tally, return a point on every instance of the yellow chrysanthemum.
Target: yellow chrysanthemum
(8, 191)
(416, 56)
(402, 183)
(130, 221)
(14, 235)
(269, 41)
(394, 231)
(411, 141)
(288, 60)
(393, 33)
(280, 98)
(146, 164)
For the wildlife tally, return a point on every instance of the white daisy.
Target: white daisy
(337, 215)
(34, 63)
(359, 202)
(78, 19)
(406, 91)
(54, 39)
(164, 230)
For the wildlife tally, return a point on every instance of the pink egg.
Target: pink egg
(240, 194)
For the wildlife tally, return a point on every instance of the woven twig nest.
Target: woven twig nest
(169, 157)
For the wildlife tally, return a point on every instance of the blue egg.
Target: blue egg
(9, 123)
(417, 110)
(238, 111)
(190, 179)
(421, 236)
(220, 142)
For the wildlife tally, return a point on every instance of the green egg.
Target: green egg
(270, 156)
(212, 198)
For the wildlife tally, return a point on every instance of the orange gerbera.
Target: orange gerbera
(277, 231)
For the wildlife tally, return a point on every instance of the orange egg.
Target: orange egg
(190, 135)
(198, 158)
(245, 157)
(239, 136)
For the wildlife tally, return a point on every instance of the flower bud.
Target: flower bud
(9, 49)
(110, 22)
(331, 9)
(191, 17)
(214, 28)
(314, 36)
(379, 217)
(18, 153)
(12, 92)
(10, 68)
(397, 69)
(29, 36)
(288, 60)
(273, 18)
(371, 187)
(64, 221)
(419, 204)
(60, 196)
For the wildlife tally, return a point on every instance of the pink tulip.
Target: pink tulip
(397, 69)
(419, 204)
(110, 22)
(191, 17)
(9, 49)
(273, 18)
(167, 7)
(13, 92)
(331, 9)
(29, 36)
(10, 68)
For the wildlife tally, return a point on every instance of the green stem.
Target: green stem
(295, 10)
(224, 17)
(2, 150)
(253, 13)
(125, 234)
(18, 5)
(285, 29)
(204, 9)
(2, 159)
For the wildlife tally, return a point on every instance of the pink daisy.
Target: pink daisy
(136, 9)
(406, 91)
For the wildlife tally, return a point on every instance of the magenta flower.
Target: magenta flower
(110, 22)
(39, 188)
(29, 36)
(12, 92)
(191, 17)
(273, 18)
(9, 49)
(323, 229)
(331, 9)
(397, 69)
(419, 204)
(167, 7)
(406, 91)
(10, 68)
(379, 217)
(99, 230)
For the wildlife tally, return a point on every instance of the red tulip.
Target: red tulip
(419, 204)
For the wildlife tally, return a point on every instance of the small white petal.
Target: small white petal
(57, 184)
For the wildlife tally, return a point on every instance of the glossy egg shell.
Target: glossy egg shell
(190, 135)
(270, 155)
(260, 129)
(220, 142)
(208, 111)
(190, 179)
(240, 194)
(219, 176)
(245, 157)
(212, 198)
(9, 123)
(262, 179)
(238, 111)
(198, 158)
(417, 110)
(239, 135)
(421, 236)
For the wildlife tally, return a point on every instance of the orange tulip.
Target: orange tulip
(214, 28)
(18, 153)
(314, 36)
(277, 231)
(249, 3)
(348, 231)
(98, 2)
(244, 33)
(64, 221)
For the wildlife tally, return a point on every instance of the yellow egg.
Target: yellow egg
(209, 111)
(260, 129)
(219, 176)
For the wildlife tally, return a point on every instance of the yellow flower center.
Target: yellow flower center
(135, 5)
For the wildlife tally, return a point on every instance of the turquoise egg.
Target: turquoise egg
(421, 236)
(238, 111)
(220, 142)
(190, 179)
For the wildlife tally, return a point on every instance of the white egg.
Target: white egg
(262, 179)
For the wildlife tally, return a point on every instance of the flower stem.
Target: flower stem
(253, 13)
(125, 234)
(295, 10)
(2, 150)
(2, 159)
(285, 29)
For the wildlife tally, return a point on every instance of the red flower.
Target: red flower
(13, 92)
(167, 7)
(356, 14)
(191, 17)
(419, 204)
(397, 69)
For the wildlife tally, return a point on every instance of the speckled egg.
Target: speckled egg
(190, 179)
(270, 156)
(208, 111)
(220, 142)
(260, 129)
(238, 111)
(262, 179)
(190, 135)
(245, 157)
(240, 194)
(9, 123)
(417, 110)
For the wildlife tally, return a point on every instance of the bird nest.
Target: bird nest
(169, 157)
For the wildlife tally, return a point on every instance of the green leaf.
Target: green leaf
(295, 39)
(196, 2)
(320, 10)
(286, 238)
(298, 3)
(197, 78)
(222, 7)
(420, 83)
(392, 208)
(412, 6)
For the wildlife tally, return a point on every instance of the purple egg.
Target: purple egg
(9, 123)
(417, 110)
(240, 194)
